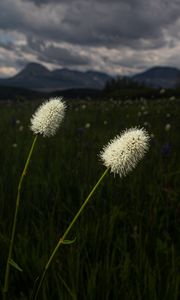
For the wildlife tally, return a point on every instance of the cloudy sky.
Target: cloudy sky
(113, 36)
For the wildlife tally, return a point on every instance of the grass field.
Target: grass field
(128, 238)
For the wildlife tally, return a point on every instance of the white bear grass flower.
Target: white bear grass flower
(123, 153)
(120, 156)
(48, 117)
(45, 121)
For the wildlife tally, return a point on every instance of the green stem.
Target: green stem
(6, 280)
(61, 240)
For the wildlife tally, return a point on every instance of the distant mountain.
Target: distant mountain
(159, 77)
(37, 77)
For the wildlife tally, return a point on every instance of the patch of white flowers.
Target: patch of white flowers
(167, 127)
(123, 153)
(48, 117)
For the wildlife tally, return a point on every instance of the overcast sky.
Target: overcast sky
(113, 36)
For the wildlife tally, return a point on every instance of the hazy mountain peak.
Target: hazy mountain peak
(159, 76)
(35, 66)
(33, 69)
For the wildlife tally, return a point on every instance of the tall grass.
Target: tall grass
(127, 241)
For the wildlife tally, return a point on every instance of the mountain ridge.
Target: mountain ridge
(37, 77)
(159, 77)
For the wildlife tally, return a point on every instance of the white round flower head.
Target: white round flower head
(48, 117)
(167, 127)
(123, 153)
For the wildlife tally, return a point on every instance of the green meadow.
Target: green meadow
(127, 239)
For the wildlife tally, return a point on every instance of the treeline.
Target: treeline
(120, 88)
(125, 88)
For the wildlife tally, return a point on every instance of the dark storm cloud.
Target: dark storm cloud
(62, 56)
(117, 24)
(42, 2)
(80, 33)
(93, 22)
(56, 55)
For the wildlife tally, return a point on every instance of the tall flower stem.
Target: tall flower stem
(7, 270)
(62, 239)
